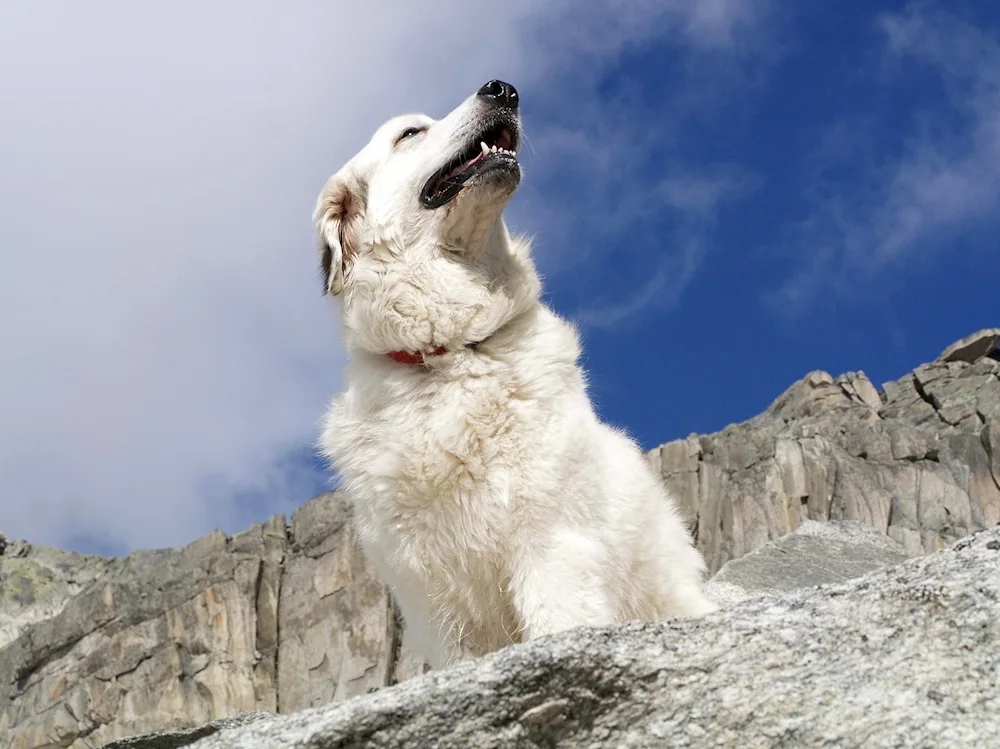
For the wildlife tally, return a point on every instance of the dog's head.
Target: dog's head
(423, 185)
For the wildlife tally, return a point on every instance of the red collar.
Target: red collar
(414, 357)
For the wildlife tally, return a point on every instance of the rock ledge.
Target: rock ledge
(905, 657)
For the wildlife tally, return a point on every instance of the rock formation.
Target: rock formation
(288, 616)
(275, 618)
(908, 656)
(918, 460)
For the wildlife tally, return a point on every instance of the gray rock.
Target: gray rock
(814, 554)
(160, 641)
(973, 347)
(178, 739)
(905, 657)
(339, 636)
(36, 582)
(175, 638)
(917, 461)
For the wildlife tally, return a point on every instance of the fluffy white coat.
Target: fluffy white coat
(486, 491)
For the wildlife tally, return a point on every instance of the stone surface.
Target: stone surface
(165, 638)
(187, 736)
(814, 554)
(36, 583)
(905, 657)
(339, 632)
(972, 347)
(284, 617)
(174, 638)
(918, 461)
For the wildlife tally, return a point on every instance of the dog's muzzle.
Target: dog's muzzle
(491, 154)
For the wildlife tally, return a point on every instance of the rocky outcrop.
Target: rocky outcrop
(340, 635)
(918, 460)
(275, 618)
(289, 616)
(905, 657)
(36, 583)
(973, 347)
(814, 554)
(186, 736)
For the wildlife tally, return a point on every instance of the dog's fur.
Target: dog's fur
(485, 489)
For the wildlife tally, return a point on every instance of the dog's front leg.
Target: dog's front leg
(560, 582)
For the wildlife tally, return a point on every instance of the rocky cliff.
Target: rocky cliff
(278, 617)
(905, 657)
(288, 616)
(918, 459)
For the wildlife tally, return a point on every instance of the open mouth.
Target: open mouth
(493, 149)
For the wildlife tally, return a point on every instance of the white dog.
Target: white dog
(486, 491)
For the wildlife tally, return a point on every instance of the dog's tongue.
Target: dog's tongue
(459, 169)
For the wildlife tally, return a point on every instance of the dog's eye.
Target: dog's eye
(410, 131)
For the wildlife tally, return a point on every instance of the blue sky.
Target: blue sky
(724, 195)
(850, 159)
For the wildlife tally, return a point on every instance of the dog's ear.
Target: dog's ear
(338, 216)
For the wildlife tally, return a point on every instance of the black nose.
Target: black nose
(500, 93)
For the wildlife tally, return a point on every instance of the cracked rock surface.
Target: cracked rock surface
(815, 553)
(902, 658)
(918, 460)
(174, 638)
(287, 616)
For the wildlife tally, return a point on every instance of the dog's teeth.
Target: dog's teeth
(486, 148)
(494, 149)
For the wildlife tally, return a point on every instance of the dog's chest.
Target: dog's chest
(438, 471)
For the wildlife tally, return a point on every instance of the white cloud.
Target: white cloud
(949, 176)
(944, 182)
(164, 337)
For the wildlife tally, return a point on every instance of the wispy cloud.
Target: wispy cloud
(577, 34)
(950, 174)
(943, 183)
(663, 288)
(694, 202)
